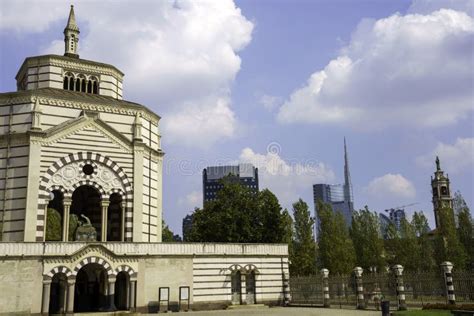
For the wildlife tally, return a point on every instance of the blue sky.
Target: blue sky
(280, 83)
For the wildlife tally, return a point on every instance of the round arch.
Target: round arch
(100, 261)
(124, 187)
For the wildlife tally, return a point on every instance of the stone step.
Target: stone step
(250, 306)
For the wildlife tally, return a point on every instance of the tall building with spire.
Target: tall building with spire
(339, 196)
(441, 193)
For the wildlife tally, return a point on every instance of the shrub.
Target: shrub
(53, 225)
(462, 307)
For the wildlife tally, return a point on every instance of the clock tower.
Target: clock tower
(441, 193)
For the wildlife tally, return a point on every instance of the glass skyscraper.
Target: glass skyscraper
(339, 196)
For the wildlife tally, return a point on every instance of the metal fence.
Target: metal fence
(306, 290)
(421, 288)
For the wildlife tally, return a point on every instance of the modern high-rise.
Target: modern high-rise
(245, 174)
(339, 196)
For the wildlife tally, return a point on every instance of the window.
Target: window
(80, 83)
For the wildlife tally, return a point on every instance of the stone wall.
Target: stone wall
(205, 268)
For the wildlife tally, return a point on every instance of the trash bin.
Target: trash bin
(385, 306)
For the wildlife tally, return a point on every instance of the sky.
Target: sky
(280, 84)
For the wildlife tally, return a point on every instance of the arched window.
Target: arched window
(95, 85)
(89, 86)
(82, 85)
(68, 82)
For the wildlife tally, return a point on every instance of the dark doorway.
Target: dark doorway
(114, 218)
(86, 200)
(91, 288)
(122, 286)
(236, 288)
(250, 287)
(57, 299)
(54, 217)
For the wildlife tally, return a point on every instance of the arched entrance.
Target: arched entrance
(114, 218)
(236, 284)
(250, 287)
(57, 299)
(55, 217)
(122, 286)
(86, 200)
(91, 289)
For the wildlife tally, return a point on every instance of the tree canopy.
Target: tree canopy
(239, 215)
(336, 250)
(303, 258)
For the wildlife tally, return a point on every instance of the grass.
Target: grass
(432, 312)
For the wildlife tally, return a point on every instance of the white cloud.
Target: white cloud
(179, 57)
(193, 199)
(428, 6)
(455, 158)
(413, 70)
(391, 187)
(270, 102)
(286, 178)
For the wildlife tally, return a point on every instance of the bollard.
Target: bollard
(360, 288)
(398, 271)
(385, 306)
(448, 279)
(325, 275)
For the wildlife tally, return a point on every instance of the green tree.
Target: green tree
(73, 224)
(167, 235)
(366, 236)
(465, 234)
(303, 260)
(425, 258)
(239, 215)
(336, 250)
(287, 228)
(448, 247)
(53, 225)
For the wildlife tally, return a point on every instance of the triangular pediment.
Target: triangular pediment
(94, 127)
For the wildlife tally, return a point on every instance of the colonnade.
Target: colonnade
(66, 298)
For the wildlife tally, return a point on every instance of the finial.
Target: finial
(438, 168)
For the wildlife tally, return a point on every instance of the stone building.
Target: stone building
(81, 204)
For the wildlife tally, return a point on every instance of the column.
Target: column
(133, 287)
(448, 278)
(67, 206)
(398, 270)
(105, 207)
(243, 288)
(127, 295)
(46, 295)
(360, 288)
(111, 293)
(70, 296)
(138, 150)
(123, 206)
(32, 213)
(325, 276)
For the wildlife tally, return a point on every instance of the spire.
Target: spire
(347, 177)
(71, 35)
(71, 21)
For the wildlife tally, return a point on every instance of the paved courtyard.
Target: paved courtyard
(281, 311)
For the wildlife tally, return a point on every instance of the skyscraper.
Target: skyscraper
(339, 196)
(245, 174)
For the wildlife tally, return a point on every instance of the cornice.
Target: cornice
(114, 109)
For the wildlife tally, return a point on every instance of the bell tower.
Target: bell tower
(71, 35)
(441, 192)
